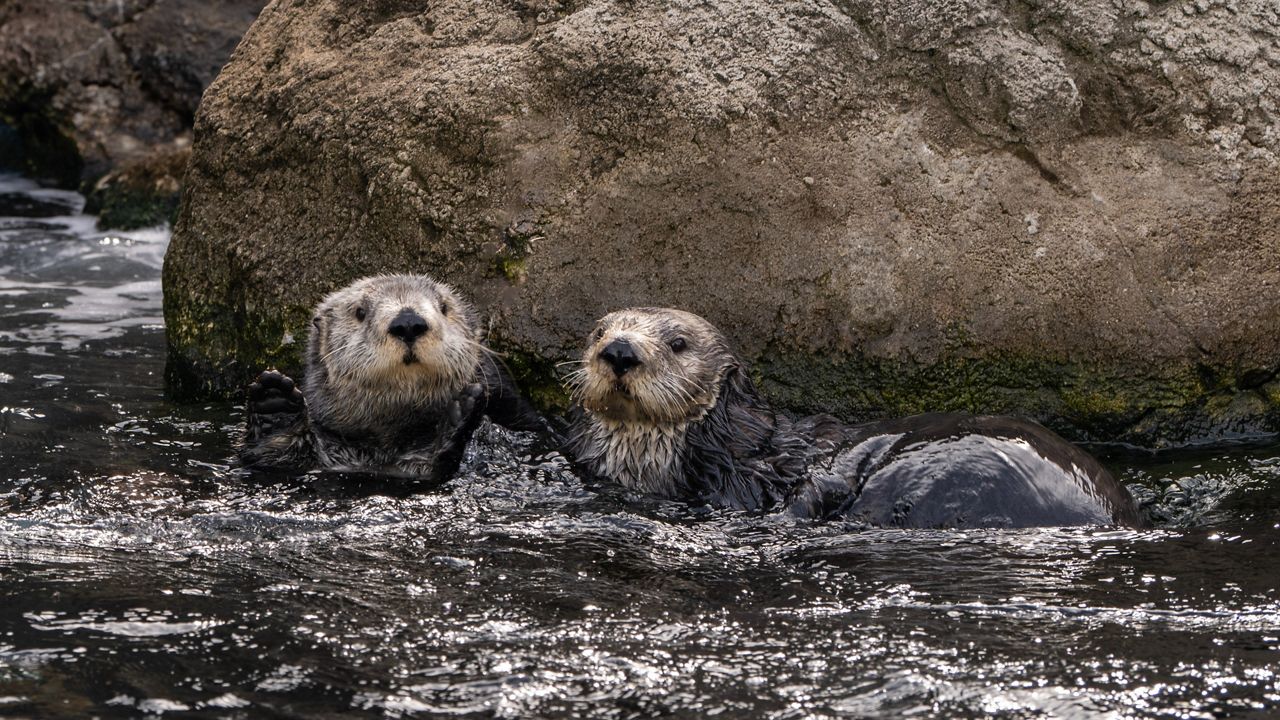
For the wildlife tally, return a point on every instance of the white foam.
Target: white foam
(85, 302)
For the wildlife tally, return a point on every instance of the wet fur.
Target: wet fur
(691, 424)
(370, 403)
(714, 440)
(738, 454)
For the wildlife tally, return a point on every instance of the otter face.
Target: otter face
(652, 366)
(396, 336)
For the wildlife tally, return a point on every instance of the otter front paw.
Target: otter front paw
(274, 393)
(456, 426)
(464, 405)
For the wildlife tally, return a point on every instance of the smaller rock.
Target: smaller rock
(142, 193)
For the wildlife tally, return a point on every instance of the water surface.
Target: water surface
(140, 576)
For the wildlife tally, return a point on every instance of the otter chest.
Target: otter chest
(647, 459)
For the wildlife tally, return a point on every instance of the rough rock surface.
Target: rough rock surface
(1066, 209)
(89, 85)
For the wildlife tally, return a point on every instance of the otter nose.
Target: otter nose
(407, 326)
(620, 356)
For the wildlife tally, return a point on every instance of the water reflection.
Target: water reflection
(141, 576)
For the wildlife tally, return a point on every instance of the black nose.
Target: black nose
(407, 326)
(620, 356)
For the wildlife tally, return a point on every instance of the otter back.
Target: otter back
(952, 471)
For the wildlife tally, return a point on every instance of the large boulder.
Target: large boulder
(88, 86)
(1064, 209)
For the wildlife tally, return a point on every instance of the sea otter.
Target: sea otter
(396, 381)
(664, 406)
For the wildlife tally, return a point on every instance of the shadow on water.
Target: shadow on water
(141, 576)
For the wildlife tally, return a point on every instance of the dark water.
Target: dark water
(139, 576)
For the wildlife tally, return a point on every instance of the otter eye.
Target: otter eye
(360, 314)
(678, 345)
(444, 308)
(599, 333)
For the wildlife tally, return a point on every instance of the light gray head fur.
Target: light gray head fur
(683, 359)
(636, 424)
(363, 379)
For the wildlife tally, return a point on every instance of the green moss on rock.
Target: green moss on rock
(538, 379)
(126, 209)
(1082, 401)
(144, 193)
(234, 345)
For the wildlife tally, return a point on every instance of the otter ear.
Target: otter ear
(316, 321)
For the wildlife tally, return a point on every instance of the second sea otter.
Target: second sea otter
(664, 406)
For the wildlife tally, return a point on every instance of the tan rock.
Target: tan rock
(1064, 209)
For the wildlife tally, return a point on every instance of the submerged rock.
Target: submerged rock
(1061, 209)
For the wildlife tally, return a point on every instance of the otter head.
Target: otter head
(392, 340)
(652, 367)
(668, 409)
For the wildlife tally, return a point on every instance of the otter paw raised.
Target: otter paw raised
(273, 393)
(465, 403)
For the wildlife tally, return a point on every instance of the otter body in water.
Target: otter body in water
(665, 407)
(396, 382)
